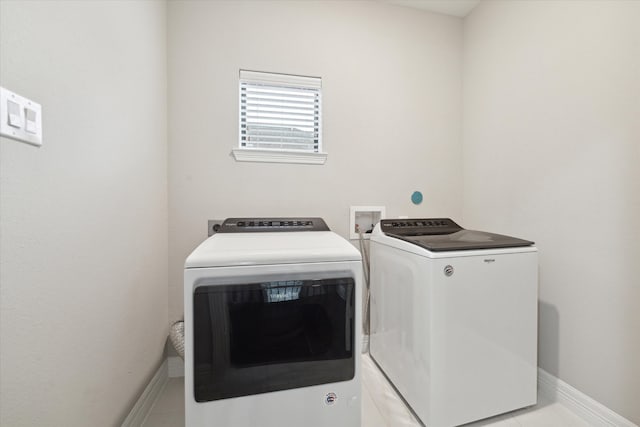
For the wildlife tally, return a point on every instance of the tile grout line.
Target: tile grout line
(375, 406)
(389, 390)
(370, 364)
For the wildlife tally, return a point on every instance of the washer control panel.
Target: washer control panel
(419, 227)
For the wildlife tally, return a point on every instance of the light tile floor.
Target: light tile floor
(381, 407)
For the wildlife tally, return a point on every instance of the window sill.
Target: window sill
(272, 156)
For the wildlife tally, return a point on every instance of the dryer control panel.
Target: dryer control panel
(259, 225)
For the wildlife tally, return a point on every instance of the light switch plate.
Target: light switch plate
(25, 125)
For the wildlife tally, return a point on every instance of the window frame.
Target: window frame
(279, 155)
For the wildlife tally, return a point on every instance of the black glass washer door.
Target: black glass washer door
(261, 337)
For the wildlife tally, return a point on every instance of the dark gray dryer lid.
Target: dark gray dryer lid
(443, 234)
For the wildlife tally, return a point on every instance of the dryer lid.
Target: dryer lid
(443, 234)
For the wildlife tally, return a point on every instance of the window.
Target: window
(280, 118)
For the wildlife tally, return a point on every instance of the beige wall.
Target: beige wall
(392, 108)
(551, 148)
(552, 153)
(83, 230)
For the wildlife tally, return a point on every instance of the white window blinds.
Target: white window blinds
(280, 112)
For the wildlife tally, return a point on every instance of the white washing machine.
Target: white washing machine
(454, 318)
(272, 326)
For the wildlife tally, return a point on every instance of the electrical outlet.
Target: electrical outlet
(213, 225)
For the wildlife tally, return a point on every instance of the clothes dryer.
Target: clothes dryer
(272, 326)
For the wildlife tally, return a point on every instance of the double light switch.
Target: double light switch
(20, 118)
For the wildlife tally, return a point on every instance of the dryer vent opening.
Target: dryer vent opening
(176, 335)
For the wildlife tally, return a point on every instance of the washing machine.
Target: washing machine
(454, 318)
(272, 326)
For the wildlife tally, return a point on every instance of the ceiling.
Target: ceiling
(459, 8)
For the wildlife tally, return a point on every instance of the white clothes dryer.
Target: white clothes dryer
(454, 318)
(272, 326)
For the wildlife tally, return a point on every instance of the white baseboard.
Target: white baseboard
(593, 412)
(176, 367)
(365, 344)
(148, 397)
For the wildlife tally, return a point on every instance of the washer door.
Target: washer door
(260, 337)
